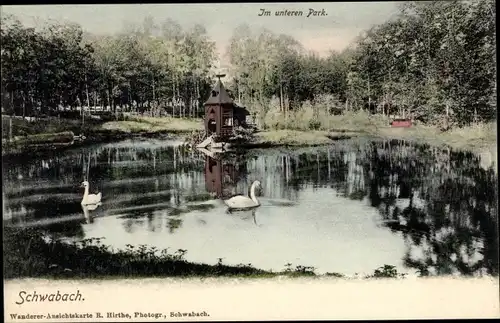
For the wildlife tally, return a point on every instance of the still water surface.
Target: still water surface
(349, 208)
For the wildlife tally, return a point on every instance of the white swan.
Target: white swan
(89, 199)
(244, 202)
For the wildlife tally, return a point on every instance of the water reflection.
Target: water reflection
(362, 204)
(245, 215)
(89, 218)
(223, 172)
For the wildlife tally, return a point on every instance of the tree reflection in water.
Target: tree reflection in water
(442, 202)
(449, 218)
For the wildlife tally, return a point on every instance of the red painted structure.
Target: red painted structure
(221, 113)
(401, 123)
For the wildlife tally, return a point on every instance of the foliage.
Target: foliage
(242, 135)
(195, 137)
(386, 271)
(299, 270)
(435, 60)
(161, 68)
(29, 253)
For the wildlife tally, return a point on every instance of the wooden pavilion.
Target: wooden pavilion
(221, 113)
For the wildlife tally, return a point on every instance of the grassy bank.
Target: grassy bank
(305, 128)
(298, 138)
(28, 254)
(299, 129)
(363, 123)
(22, 128)
(43, 134)
(480, 139)
(42, 139)
(154, 125)
(470, 138)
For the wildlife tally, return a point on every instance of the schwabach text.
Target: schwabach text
(24, 296)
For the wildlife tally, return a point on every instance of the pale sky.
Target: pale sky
(344, 20)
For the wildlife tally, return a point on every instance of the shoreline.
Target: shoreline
(479, 140)
(29, 255)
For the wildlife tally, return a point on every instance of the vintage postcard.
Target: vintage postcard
(249, 161)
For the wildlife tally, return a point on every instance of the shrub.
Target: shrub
(386, 271)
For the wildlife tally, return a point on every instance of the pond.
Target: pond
(348, 208)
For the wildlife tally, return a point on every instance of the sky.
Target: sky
(334, 31)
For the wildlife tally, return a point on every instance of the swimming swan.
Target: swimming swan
(244, 202)
(89, 199)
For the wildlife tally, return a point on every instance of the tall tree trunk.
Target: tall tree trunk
(113, 105)
(282, 108)
(129, 100)
(177, 96)
(87, 93)
(154, 97)
(173, 97)
(329, 165)
(109, 102)
(197, 97)
(12, 102)
(369, 96)
(181, 110)
(24, 105)
(81, 110)
(14, 112)
(239, 92)
(190, 101)
(32, 104)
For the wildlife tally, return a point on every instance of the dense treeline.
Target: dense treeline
(435, 59)
(144, 67)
